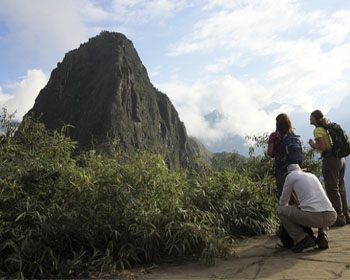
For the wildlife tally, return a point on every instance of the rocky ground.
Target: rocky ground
(259, 258)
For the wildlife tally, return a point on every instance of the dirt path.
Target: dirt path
(258, 258)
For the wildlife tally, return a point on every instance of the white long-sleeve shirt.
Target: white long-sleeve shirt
(307, 190)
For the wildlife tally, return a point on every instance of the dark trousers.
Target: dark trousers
(331, 171)
(280, 174)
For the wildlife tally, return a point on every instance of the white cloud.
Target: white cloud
(308, 66)
(43, 27)
(24, 93)
(222, 63)
(94, 13)
(304, 74)
(142, 11)
(212, 4)
(336, 29)
(4, 97)
(251, 27)
(240, 107)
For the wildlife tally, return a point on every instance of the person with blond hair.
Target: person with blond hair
(333, 168)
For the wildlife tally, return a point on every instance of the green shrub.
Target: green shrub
(241, 207)
(63, 216)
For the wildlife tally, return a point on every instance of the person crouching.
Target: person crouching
(313, 209)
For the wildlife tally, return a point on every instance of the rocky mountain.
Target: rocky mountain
(103, 90)
(201, 151)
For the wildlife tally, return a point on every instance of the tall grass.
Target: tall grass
(63, 216)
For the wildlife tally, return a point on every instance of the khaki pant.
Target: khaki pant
(292, 217)
(333, 170)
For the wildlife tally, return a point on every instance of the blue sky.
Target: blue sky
(229, 67)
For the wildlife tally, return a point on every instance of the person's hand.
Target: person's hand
(311, 143)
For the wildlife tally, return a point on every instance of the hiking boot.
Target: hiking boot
(340, 222)
(347, 219)
(307, 242)
(322, 240)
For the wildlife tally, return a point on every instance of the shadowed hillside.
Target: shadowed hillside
(103, 90)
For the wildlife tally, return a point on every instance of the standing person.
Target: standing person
(333, 168)
(277, 150)
(313, 209)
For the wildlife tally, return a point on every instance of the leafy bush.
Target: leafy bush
(63, 216)
(261, 165)
(240, 206)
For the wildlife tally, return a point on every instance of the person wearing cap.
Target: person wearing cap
(313, 208)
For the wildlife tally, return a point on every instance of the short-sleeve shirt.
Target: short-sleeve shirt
(322, 132)
(276, 140)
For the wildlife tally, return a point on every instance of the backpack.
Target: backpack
(293, 152)
(341, 143)
(287, 241)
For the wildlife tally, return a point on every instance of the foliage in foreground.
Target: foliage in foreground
(63, 216)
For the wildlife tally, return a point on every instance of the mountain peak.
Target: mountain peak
(103, 90)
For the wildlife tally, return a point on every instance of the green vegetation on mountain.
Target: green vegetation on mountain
(201, 151)
(216, 160)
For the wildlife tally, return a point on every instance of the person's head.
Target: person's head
(283, 124)
(317, 118)
(293, 167)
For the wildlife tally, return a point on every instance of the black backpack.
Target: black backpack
(287, 241)
(293, 151)
(341, 143)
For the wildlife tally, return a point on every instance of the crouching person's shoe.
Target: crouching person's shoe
(307, 242)
(322, 240)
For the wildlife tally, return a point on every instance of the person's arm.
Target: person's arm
(271, 145)
(320, 144)
(287, 191)
(270, 150)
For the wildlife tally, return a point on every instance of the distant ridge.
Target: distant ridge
(103, 90)
(199, 149)
(217, 160)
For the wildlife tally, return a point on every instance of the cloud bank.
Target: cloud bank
(23, 93)
(306, 56)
